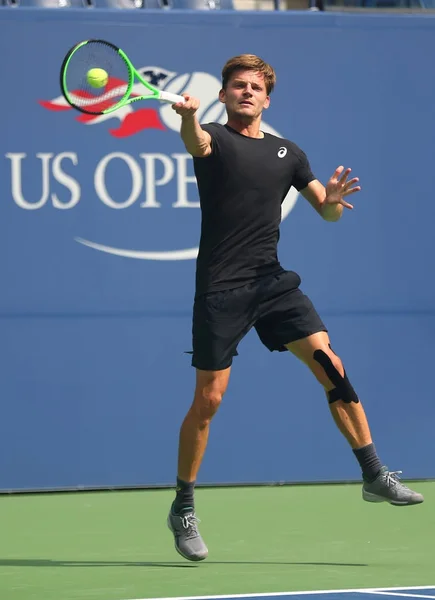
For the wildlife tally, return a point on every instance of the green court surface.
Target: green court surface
(115, 545)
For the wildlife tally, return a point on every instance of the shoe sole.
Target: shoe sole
(368, 497)
(192, 559)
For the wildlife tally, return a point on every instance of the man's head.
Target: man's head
(249, 62)
(247, 82)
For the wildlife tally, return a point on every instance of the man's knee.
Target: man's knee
(206, 403)
(333, 373)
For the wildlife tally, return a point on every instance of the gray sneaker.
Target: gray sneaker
(188, 540)
(387, 488)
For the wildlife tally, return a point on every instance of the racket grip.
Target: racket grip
(172, 98)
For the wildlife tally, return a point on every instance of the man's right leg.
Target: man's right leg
(210, 388)
(209, 391)
(220, 321)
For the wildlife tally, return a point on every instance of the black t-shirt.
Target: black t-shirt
(242, 184)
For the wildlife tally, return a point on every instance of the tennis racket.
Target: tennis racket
(117, 89)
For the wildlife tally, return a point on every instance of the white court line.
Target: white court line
(303, 593)
(401, 594)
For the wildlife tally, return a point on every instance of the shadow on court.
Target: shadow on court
(24, 562)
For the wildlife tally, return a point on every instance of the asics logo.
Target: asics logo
(282, 152)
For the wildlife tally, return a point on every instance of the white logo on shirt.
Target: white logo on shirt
(282, 152)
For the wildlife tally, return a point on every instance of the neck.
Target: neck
(250, 129)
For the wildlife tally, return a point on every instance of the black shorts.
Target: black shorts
(274, 305)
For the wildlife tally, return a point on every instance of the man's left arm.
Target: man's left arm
(329, 201)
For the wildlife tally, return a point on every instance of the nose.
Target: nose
(248, 90)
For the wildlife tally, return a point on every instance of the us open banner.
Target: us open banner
(100, 219)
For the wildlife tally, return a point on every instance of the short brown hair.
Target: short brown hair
(252, 63)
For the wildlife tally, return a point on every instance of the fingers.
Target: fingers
(346, 204)
(187, 108)
(338, 171)
(351, 190)
(339, 181)
(350, 186)
(342, 181)
(338, 187)
(351, 182)
(347, 193)
(345, 176)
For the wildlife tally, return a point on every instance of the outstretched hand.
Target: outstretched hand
(188, 108)
(338, 187)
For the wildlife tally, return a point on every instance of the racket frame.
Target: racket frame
(156, 94)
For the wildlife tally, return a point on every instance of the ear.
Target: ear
(266, 103)
(222, 96)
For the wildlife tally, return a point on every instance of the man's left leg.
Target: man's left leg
(380, 485)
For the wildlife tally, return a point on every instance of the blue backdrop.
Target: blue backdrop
(99, 225)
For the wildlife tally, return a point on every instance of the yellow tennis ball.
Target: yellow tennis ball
(97, 78)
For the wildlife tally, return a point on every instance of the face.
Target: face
(245, 96)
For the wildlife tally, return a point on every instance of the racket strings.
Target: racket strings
(96, 55)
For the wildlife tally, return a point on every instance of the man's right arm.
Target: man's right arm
(196, 140)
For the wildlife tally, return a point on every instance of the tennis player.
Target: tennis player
(243, 175)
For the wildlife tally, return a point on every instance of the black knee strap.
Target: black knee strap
(343, 389)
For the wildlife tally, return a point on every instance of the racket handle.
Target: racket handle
(173, 98)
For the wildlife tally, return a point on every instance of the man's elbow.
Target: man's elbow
(198, 151)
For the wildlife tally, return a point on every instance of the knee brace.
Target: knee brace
(343, 389)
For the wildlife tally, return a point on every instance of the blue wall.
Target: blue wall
(95, 381)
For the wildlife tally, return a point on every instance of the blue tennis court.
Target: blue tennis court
(357, 594)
